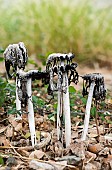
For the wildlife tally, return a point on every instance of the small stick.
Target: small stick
(87, 113)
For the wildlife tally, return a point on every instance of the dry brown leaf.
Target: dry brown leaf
(12, 120)
(2, 129)
(107, 162)
(95, 148)
(90, 155)
(9, 131)
(78, 149)
(93, 135)
(82, 109)
(39, 120)
(108, 159)
(24, 153)
(108, 136)
(43, 165)
(110, 163)
(4, 141)
(37, 154)
(90, 166)
(101, 129)
(97, 164)
(71, 160)
(110, 149)
(102, 139)
(26, 148)
(1, 111)
(92, 132)
(18, 127)
(74, 135)
(104, 152)
(58, 149)
(59, 165)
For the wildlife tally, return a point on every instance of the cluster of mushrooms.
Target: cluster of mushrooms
(60, 72)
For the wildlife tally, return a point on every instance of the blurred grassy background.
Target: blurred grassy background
(47, 26)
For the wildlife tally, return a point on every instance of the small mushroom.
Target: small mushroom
(95, 83)
(16, 56)
(61, 66)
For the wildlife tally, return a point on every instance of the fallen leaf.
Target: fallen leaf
(78, 149)
(37, 165)
(104, 152)
(18, 127)
(71, 160)
(23, 152)
(59, 165)
(9, 131)
(11, 161)
(12, 120)
(90, 155)
(74, 135)
(4, 141)
(92, 132)
(38, 154)
(108, 136)
(95, 148)
(109, 158)
(97, 164)
(107, 162)
(92, 135)
(110, 150)
(90, 166)
(2, 129)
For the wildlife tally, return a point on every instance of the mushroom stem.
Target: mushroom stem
(66, 110)
(18, 102)
(87, 113)
(63, 109)
(58, 115)
(31, 112)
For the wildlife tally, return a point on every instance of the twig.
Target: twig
(27, 148)
(16, 151)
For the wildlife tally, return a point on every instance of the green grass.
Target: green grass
(55, 26)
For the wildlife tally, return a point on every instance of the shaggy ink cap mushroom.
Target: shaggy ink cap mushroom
(99, 92)
(16, 56)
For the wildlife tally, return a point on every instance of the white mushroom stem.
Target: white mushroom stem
(58, 115)
(87, 113)
(30, 104)
(18, 102)
(31, 112)
(66, 110)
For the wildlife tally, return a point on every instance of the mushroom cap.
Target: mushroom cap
(59, 56)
